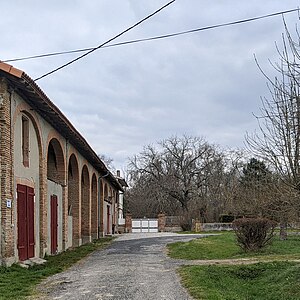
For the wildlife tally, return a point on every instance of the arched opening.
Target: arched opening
(26, 155)
(55, 207)
(73, 202)
(106, 211)
(94, 213)
(55, 162)
(85, 206)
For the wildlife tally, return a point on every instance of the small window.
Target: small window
(25, 141)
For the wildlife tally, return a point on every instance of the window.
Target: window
(25, 141)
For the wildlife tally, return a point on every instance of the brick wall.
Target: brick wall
(73, 197)
(6, 153)
(85, 205)
(83, 201)
(128, 223)
(94, 208)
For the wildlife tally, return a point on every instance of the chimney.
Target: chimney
(118, 173)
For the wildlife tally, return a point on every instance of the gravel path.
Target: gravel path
(134, 267)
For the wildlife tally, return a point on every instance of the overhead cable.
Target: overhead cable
(154, 37)
(108, 41)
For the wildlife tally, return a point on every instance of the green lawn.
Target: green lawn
(223, 246)
(276, 279)
(267, 281)
(17, 282)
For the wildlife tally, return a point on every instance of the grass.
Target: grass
(268, 281)
(223, 246)
(273, 278)
(17, 282)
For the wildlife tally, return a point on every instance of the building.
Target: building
(55, 192)
(120, 204)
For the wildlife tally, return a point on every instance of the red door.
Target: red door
(53, 204)
(25, 212)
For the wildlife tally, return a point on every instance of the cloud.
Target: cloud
(122, 98)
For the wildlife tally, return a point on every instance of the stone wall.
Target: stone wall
(215, 226)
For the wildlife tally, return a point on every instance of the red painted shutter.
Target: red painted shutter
(53, 204)
(22, 222)
(30, 221)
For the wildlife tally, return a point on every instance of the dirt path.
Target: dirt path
(237, 261)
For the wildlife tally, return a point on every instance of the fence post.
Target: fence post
(128, 223)
(161, 222)
(196, 225)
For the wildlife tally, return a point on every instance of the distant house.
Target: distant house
(120, 204)
(55, 191)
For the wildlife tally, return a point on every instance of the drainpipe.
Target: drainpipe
(99, 203)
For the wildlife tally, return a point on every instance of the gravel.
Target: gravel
(135, 266)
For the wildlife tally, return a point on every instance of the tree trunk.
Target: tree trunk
(283, 230)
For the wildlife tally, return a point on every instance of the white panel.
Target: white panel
(136, 224)
(145, 223)
(153, 223)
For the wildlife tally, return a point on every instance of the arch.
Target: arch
(94, 211)
(28, 177)
(55, 162)
(73, 202)
(56, 176)
(85, 206)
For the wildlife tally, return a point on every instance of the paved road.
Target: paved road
(134, 267)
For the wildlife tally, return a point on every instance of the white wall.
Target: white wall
(105, 218)
(54, 189)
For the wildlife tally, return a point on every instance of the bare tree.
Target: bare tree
(179, 169)
(233, 199)
(145, 198)
(278, 139)
(108, 162)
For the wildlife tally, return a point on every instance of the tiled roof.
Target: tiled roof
(39, 101)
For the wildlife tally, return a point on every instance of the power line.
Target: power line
(108, 41)
(154, 37)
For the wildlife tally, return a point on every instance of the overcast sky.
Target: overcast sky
(122, 98)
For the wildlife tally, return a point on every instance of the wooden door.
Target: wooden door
(30, 221)
(54, 224)
(25, 218)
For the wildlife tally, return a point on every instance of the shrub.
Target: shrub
(253, 233)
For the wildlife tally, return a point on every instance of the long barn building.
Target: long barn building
(55, 192)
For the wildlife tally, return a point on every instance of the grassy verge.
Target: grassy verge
(17, 282)
(276, 279)
(268, 281)
(223, 246)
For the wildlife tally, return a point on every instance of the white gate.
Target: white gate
(144, 225)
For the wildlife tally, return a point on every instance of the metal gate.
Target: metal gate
(144, 225)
